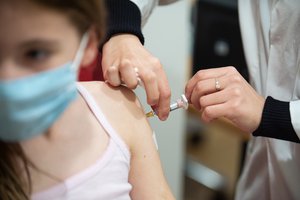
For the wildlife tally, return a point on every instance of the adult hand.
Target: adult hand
(121, 55)
(223, 92)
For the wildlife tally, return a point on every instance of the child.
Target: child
(59, 139)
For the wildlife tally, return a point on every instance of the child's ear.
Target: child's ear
(91, 50)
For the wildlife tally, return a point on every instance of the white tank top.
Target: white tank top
(106, 179)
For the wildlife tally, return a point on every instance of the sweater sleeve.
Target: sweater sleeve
(276, 121)
(123, 16)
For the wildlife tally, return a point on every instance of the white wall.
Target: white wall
(167, 36)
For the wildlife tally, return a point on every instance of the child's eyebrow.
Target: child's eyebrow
(40, 42)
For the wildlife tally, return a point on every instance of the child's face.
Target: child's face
(33, 39)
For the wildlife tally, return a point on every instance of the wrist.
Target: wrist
(120, 37)
(276, 121)
(120, 41)
(259, 112)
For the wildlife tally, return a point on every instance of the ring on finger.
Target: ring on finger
(217, 84)
(140, 82)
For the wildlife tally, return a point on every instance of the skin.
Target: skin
(76, 140)
(146, 174)
(121, 54)
(236, 100)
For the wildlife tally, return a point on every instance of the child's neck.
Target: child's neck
(73, 120)
(75, 141)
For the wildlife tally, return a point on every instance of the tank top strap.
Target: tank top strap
(95, 109)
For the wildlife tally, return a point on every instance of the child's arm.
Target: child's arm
(124, 112)
(146, 174)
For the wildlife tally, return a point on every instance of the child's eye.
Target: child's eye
(37, 55)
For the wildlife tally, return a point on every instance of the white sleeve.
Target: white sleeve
(295, 116)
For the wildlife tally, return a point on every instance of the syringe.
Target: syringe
(180, 103)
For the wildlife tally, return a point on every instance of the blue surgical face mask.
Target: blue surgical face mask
(30, 105)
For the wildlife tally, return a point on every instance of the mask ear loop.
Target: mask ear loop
(80, 51)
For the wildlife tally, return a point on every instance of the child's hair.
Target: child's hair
(84, 14)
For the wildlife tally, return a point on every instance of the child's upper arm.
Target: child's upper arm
(126, 115)
(146, 173)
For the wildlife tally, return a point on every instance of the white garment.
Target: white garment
(271, 38)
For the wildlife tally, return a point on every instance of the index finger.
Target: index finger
(150, 82)
(164, 97)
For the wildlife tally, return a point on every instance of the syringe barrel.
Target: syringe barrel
(174, 106)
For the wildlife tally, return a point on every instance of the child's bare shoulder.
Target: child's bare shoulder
(100, 88)
(115, 96)
(121, 107)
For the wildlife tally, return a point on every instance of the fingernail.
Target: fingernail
(188, 96)
(163, 118)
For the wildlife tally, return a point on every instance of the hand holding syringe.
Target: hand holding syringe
(180, 103)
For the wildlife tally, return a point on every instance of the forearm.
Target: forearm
(277, 121)
(123, 17)
(128, 16)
